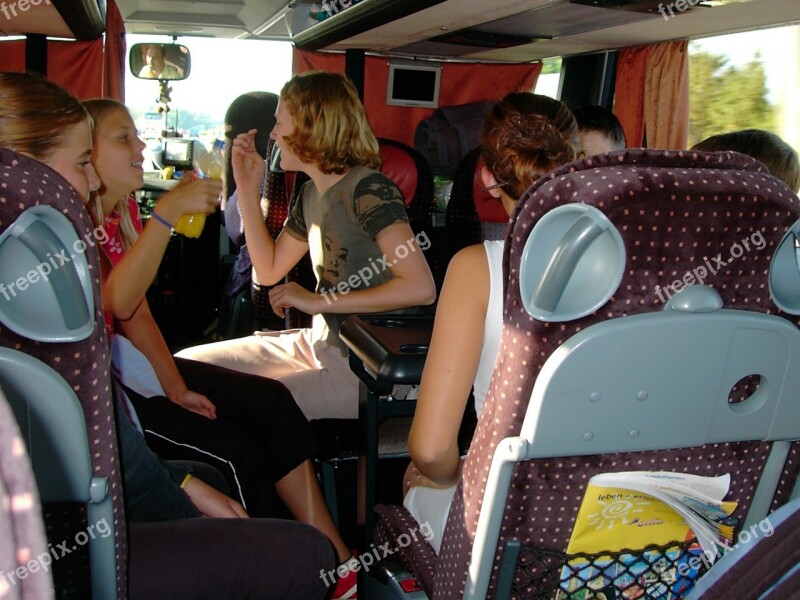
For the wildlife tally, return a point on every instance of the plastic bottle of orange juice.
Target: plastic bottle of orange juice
(209, 166)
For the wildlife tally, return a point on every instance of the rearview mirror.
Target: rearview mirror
(165, 62)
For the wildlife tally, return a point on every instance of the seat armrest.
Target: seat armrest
(391, 348)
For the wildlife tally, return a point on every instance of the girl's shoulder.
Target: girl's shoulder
(366, 179)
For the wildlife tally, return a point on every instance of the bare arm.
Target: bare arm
(272, 259)
(142, 330)
(212, 503)
(447, 379)
(412, 284)
(127, 284)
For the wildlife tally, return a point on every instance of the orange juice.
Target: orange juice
(191, 225)
(210, 166)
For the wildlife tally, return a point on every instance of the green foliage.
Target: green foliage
(725, 97)
(551, 65)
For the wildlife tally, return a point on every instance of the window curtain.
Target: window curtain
(461, 83)
(93, 69)
(652, 95)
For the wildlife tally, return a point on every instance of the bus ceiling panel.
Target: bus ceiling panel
(557, 20)
(78, 19)
(203, 18)
(469, 29)
(344, 19)
(451, 15)
(565, 27)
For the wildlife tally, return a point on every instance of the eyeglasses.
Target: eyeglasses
(493, 187)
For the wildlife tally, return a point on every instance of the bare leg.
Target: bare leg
(300, 491)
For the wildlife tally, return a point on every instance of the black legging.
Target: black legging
(202, 559)
(258, 437)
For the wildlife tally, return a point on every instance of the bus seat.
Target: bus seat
(302, 272)
(410, 171)
(770, 562)
(473, 215)
(81, 357)
(629, 404)
(22, 526)
(53, 427)
(718, 218)
(247, 310)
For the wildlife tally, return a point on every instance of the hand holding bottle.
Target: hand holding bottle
(189, 199)
(208, 168)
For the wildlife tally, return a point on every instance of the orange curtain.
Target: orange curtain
(629, 93)
(652, 95)
(93, 69)
(461, 83)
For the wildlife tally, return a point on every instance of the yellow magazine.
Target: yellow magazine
(613, 519)
(631, 510)
(624, 513)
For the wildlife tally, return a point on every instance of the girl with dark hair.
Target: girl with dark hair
(778, 156)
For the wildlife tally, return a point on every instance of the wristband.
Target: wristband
(186, 480)
(160, 219)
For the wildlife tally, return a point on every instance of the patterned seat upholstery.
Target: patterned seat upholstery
(770, 563)
(84, 365)
(675, 212)
(278, 192)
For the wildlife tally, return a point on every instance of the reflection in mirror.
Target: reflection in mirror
(166, 62)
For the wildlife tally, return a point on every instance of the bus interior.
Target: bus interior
(676, 384)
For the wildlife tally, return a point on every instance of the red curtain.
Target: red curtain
(93, 69)
(461, 83)
(652, 95)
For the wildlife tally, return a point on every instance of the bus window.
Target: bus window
(550, 78)
(746, 80)
(222, 69)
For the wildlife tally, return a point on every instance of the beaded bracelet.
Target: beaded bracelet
(160, 219)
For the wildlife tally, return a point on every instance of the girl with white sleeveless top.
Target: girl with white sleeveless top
(524, 136)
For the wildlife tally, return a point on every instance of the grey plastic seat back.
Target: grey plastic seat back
(653, 381)
(23, 538)
(51, 312)
(52, 424)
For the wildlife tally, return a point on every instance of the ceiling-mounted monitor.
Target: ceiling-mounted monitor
(414, 84)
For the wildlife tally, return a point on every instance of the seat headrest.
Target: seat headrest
(45, 287)
(489, 208)
(572, 263)
(784, 272)
(399, 166)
